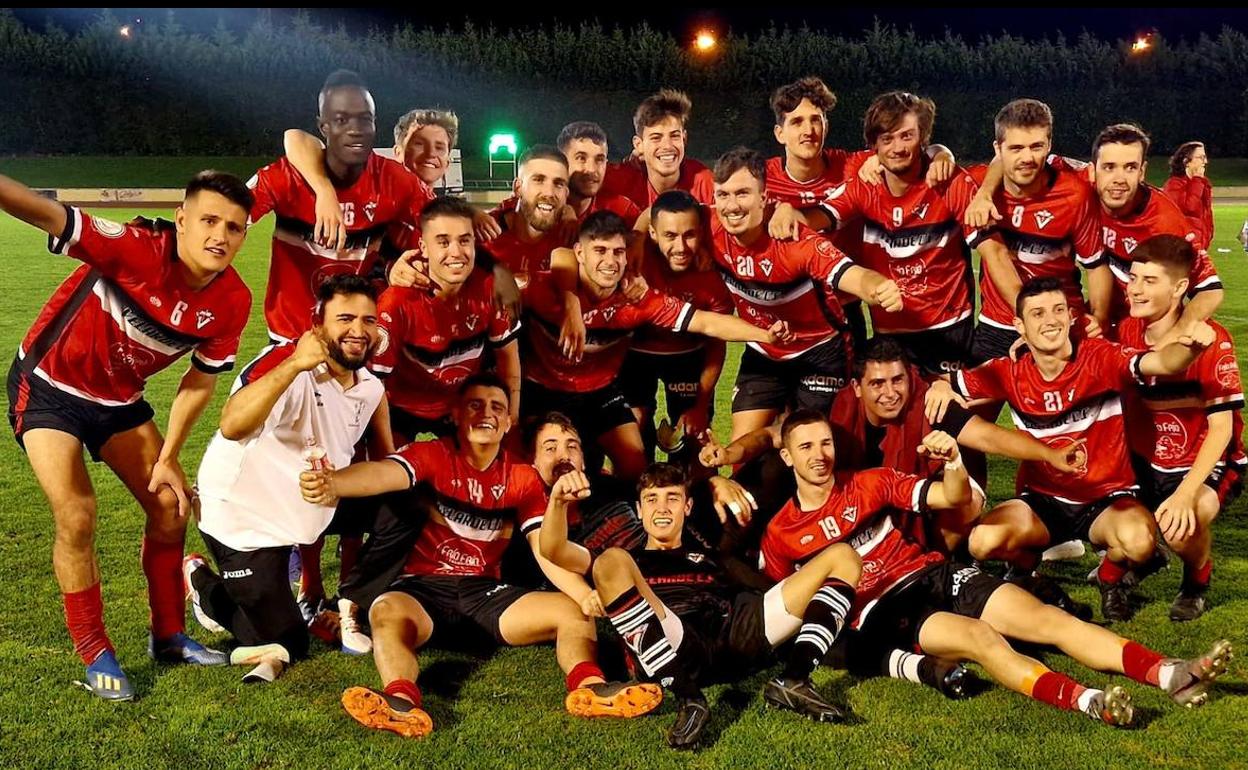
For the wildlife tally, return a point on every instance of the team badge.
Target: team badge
(766, 265)
(1043, 218)
(498, 490)
(203, 318)
(920, 211)
(1129, 244)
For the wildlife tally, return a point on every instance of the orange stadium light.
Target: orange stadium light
(1141, 45)
(705, 41)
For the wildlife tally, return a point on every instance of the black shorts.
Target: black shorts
(680, 374)
(1155, 486)
(1071, 521)
(407, 426)
(991, 342)
(34, 403)
(947, 586)
(939, 351)
(461, 604)
(809, 381)
(739, 648)
(593, 413)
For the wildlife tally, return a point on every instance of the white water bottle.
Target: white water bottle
(314, 455)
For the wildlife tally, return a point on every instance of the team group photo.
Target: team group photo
(787, 389)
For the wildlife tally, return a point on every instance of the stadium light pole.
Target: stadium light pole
(503, 150)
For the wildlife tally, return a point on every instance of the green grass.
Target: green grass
(507, 711)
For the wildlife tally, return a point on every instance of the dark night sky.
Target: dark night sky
(1028, 21)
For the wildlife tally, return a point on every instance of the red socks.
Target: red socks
(1057, 690)
(1110, 573)
(582, 671)
(405, 688)
(162, 565)
(84, 617)
(1141, 663)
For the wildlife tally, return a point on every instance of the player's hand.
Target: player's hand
(506, 290)
(168, 473)
(981, 212)
(409, 270)
(716, 455)
(634, 287)
(784, 222)
(888, 296)
(1197, 336)
(940, 169)
(591, 606)
(730, 498)
(570, 487)
(1092, 327)
(484, 226)
(936, 402)
(696, 419)
(317, 487)
(330, 230)
(1069, 458)
(780, 333)
(1176, 516)
(572, 330)
(870, 171)
(310, 352)
(939, 446)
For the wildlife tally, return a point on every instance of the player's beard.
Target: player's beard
(584, 186)
(536, 218)
(340, 357)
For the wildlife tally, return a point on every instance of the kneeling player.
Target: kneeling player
(908, 595)
(687, 622)
(1184, 430)
(451, 576)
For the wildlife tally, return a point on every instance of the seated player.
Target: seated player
(147, 294)
(687, 366)
(687, 623)
(450, 584)
(1067, 393)
(315, 393)
(1184, 430)
(911, 596)
(658, 162)
(586, 389)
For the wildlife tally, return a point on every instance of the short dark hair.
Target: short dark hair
(1036, 286)
(603, 224)
(339, 79)
(675, 202)
(542, 152)
(344, 284)
(1175, 253)
(1121, 133)
(881, 350)
(226, 185)
(786, 98)
(1184, 153)
(484, 380)
(549, 418)
(446, 206)
(668, 102)
(1023, 113)
(662, 475)
(581, 129)
(797, 419)
(740, 158)
(886, 111)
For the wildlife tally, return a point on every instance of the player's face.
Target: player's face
(587, 164)
(900, 149)
(803, 131)
(884, 389)
(1022, 153)
(450, 246)
(348, 124)
(1045, 325)
(1151, 290)
(663, 512)
(662, 146)
(558, 451)
(676, 234)
(482, 415)
(809, 452)
(602, 260)
(542, 192)
(739, 202)
(427, 152)
(1118, 172)
(349, 329)
(211, 228)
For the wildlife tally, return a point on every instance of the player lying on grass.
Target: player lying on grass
(148, 293)
(450, 581)
(912, 596)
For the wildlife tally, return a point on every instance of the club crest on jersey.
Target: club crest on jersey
(850, 514)
(1043, 218)
(766, 266)
(370, 209)
(107, 227)
(203, 318)
(1129, 244)
(498, 490)
(472, 323)
(920, 210)
(695, 557)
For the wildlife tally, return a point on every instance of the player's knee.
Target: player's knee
(983, 639)
(844, 563)
(75, 527)
(611, 566)
(983, 542)
(1137, 541)
(387, 612)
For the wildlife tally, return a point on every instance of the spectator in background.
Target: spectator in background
(1189, 188)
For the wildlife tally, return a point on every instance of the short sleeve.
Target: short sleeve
(665, 311)
(1218, 371)
(267, 185)
(390, 325)
(530, 500)
(844, 202)
(111, 247)
(419, 459)
(988, 380)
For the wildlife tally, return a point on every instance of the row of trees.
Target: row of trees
(170, 91)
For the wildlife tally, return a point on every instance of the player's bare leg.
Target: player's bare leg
(1127, 531)
(623, 445)
(953, 636)
(1196, 552)
(400, 627)
(1009, 532)
(311, 581)
(751, 420)
(1017, 614)
(545, 616)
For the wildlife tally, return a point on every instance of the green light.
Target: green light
(499, 142)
